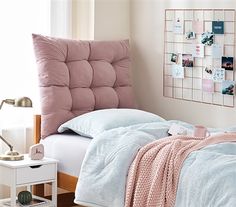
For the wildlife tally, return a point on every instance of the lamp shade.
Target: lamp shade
(18, 102)
(23, 102)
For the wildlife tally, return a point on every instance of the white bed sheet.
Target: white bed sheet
(69, 149)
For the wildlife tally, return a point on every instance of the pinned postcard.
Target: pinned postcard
(228, 87)
(178, 26)
(198, 26)
(187, 60)
(198, 50)
(227, 63)
(217, 51)
(177, 71)
(208, 85)
(218, 27)
(218, 74)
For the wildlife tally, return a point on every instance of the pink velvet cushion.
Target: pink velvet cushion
(76, 77)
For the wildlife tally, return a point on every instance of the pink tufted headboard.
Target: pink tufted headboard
(76, 77)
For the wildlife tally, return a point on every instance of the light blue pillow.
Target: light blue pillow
(93, 123)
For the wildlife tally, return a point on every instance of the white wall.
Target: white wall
(101, 19)
(111, 19)
(83, 19)
(147, 39)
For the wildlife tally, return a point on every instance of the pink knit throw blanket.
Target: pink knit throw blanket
(154, 173)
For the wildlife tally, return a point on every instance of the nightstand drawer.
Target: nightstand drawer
(31, 174)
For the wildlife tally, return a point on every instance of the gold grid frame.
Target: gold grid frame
(190, 88)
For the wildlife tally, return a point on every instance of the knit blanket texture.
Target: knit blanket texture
(154, 174)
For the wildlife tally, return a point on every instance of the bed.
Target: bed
(99, 105)
(59, 60)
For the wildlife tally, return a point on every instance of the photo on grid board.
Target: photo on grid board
(218, 74)
(207, 38)
(217, 50)
(190, 35)
(218, 27)
(177, 71)
(174, 58)
(227, 63)
(198, 50)
(228, 87)
(178, 26)
(208, 85)
(187, 60)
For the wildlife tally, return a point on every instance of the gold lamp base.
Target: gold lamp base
(11, 156)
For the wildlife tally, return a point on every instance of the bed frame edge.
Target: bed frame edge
(37, 128)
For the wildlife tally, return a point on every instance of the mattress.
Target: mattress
(68, 149)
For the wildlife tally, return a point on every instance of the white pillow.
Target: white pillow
(96, 122)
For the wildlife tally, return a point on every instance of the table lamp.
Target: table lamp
(19, 102)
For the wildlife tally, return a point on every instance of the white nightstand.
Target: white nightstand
(29, 172)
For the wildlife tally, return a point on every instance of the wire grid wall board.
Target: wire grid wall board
(199, 55)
